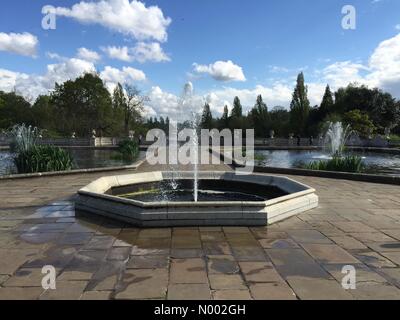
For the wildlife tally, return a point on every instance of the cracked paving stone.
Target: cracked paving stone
(329, 253)
(226, 281)
(142, 284)
(65, 290)
(231, 295)
(191, 270)
(148, 262)
(296, 262)
(259, 272)
(222, 264)
(318, 289)
(374, 259)
(189, 292)
(272, 291)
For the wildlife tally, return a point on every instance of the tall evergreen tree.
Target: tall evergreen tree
(119, 103)
(259, 117)
(327, 103)
(224, 121)
(299, 107)
(206, 118)
(237, 110)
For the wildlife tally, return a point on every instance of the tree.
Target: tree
(237, 110)
(83, 105)
(14, 109)
(359, 122)
(299, 107)
(280, 118)
(206, 118)
(43, 115)
(326, 106)
(381, 107)
(259, 117)
(119, 106)
(224, 121)
(134, 106)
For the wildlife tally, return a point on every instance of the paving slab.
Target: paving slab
(189, 292)
(186, 271)
(318, 289)
(272, 291)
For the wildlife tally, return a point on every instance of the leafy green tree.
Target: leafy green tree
(259, 118)
(280, 120)
(14, 109)
(299, 107)
(382, 109)
(206, 118)
(83, 105)
(359, 122)
(44, 116)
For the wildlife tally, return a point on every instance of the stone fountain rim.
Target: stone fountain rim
(99, 187)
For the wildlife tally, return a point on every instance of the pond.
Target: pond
(376, 163)
(85, 158)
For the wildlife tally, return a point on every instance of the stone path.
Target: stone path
(356, 224)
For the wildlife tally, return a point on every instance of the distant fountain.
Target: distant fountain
(336, 137)
(189, 117)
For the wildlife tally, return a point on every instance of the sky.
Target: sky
(225, 48)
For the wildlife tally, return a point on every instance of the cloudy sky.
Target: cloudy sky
(225, 47)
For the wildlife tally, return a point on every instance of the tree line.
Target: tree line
(367, 111)
(85, 104)
(77, 107)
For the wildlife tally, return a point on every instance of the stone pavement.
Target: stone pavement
(356, 224)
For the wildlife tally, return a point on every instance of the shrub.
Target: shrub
(129, 149)
(43, 159)
(342, 164)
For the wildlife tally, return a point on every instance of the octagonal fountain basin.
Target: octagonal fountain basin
(166, 199)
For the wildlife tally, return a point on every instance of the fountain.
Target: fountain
(224, 199)
(336, 138)
(194, 198)
(188, 105)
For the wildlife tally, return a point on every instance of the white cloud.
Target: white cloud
(128, 17)
(30, 86)
(119, 53)
(162, 103)
(111, 76)
(20, 43)
(397, 26)
(88, 55)
(339, 74)
(8, 79)
(222, 71)
(142, 52)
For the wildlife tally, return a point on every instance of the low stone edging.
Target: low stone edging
(371, 178)
(71, 172)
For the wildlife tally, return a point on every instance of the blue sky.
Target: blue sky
(266, 42)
